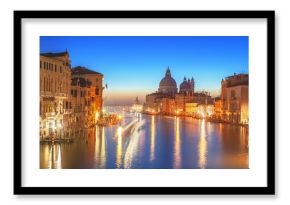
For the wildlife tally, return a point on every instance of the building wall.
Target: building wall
(191, 108)
(66, 110)
(235, 99)
(83, 114)
(97, 91)
(181, 99)
(54, 93)
(218, 109)
(168, 106)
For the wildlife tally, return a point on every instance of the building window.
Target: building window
(44, 84)
(60, 69)
(97, 91)
(233, 94)
(55, 68)
(40, 64)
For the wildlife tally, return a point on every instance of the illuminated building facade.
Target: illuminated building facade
(191, 108)
(96, 80)
(137, 106)
(217, 108)
(86, 99)
(167, 100)
(55, 77)
(168, 106)
(69, 98)
(235, 98)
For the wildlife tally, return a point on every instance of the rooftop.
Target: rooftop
(54, 54)
(79, 70)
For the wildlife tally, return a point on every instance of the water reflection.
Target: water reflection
(202, 146)
(132, 151)
(100, 147)
(160, 142)
(119, 147)
(152, 145)
(53, 156)
(177, 158)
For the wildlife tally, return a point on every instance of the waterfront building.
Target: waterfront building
(191, 109)
(86, 99)
(83, 108)
(70, 99)
(167, 100)
(55, 77)
(168, 106)
(137, 106)
(96, 80)
(205, 110)
(217, 108)
(153, 102)
(235, 98)
(181, 99)
(203, 98)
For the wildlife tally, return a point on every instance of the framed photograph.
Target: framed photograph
(144, 102)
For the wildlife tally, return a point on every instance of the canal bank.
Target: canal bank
(154, 142)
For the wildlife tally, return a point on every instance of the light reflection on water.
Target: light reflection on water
(152, 140)
(202, 146)
(177, 158)
(159, 142)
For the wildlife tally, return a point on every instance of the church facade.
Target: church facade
(169, 100)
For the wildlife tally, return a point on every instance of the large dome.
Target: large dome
(167, 84)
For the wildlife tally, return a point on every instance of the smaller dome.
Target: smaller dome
(185, 86)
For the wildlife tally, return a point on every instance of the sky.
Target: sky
(134, 65)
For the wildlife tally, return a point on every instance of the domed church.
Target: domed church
(167, 85)
(187, 85)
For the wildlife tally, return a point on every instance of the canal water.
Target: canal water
(152, 142)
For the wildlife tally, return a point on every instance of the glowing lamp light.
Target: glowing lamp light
(119, 117)
(97, 115)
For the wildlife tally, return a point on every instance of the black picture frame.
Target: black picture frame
(268, 190)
